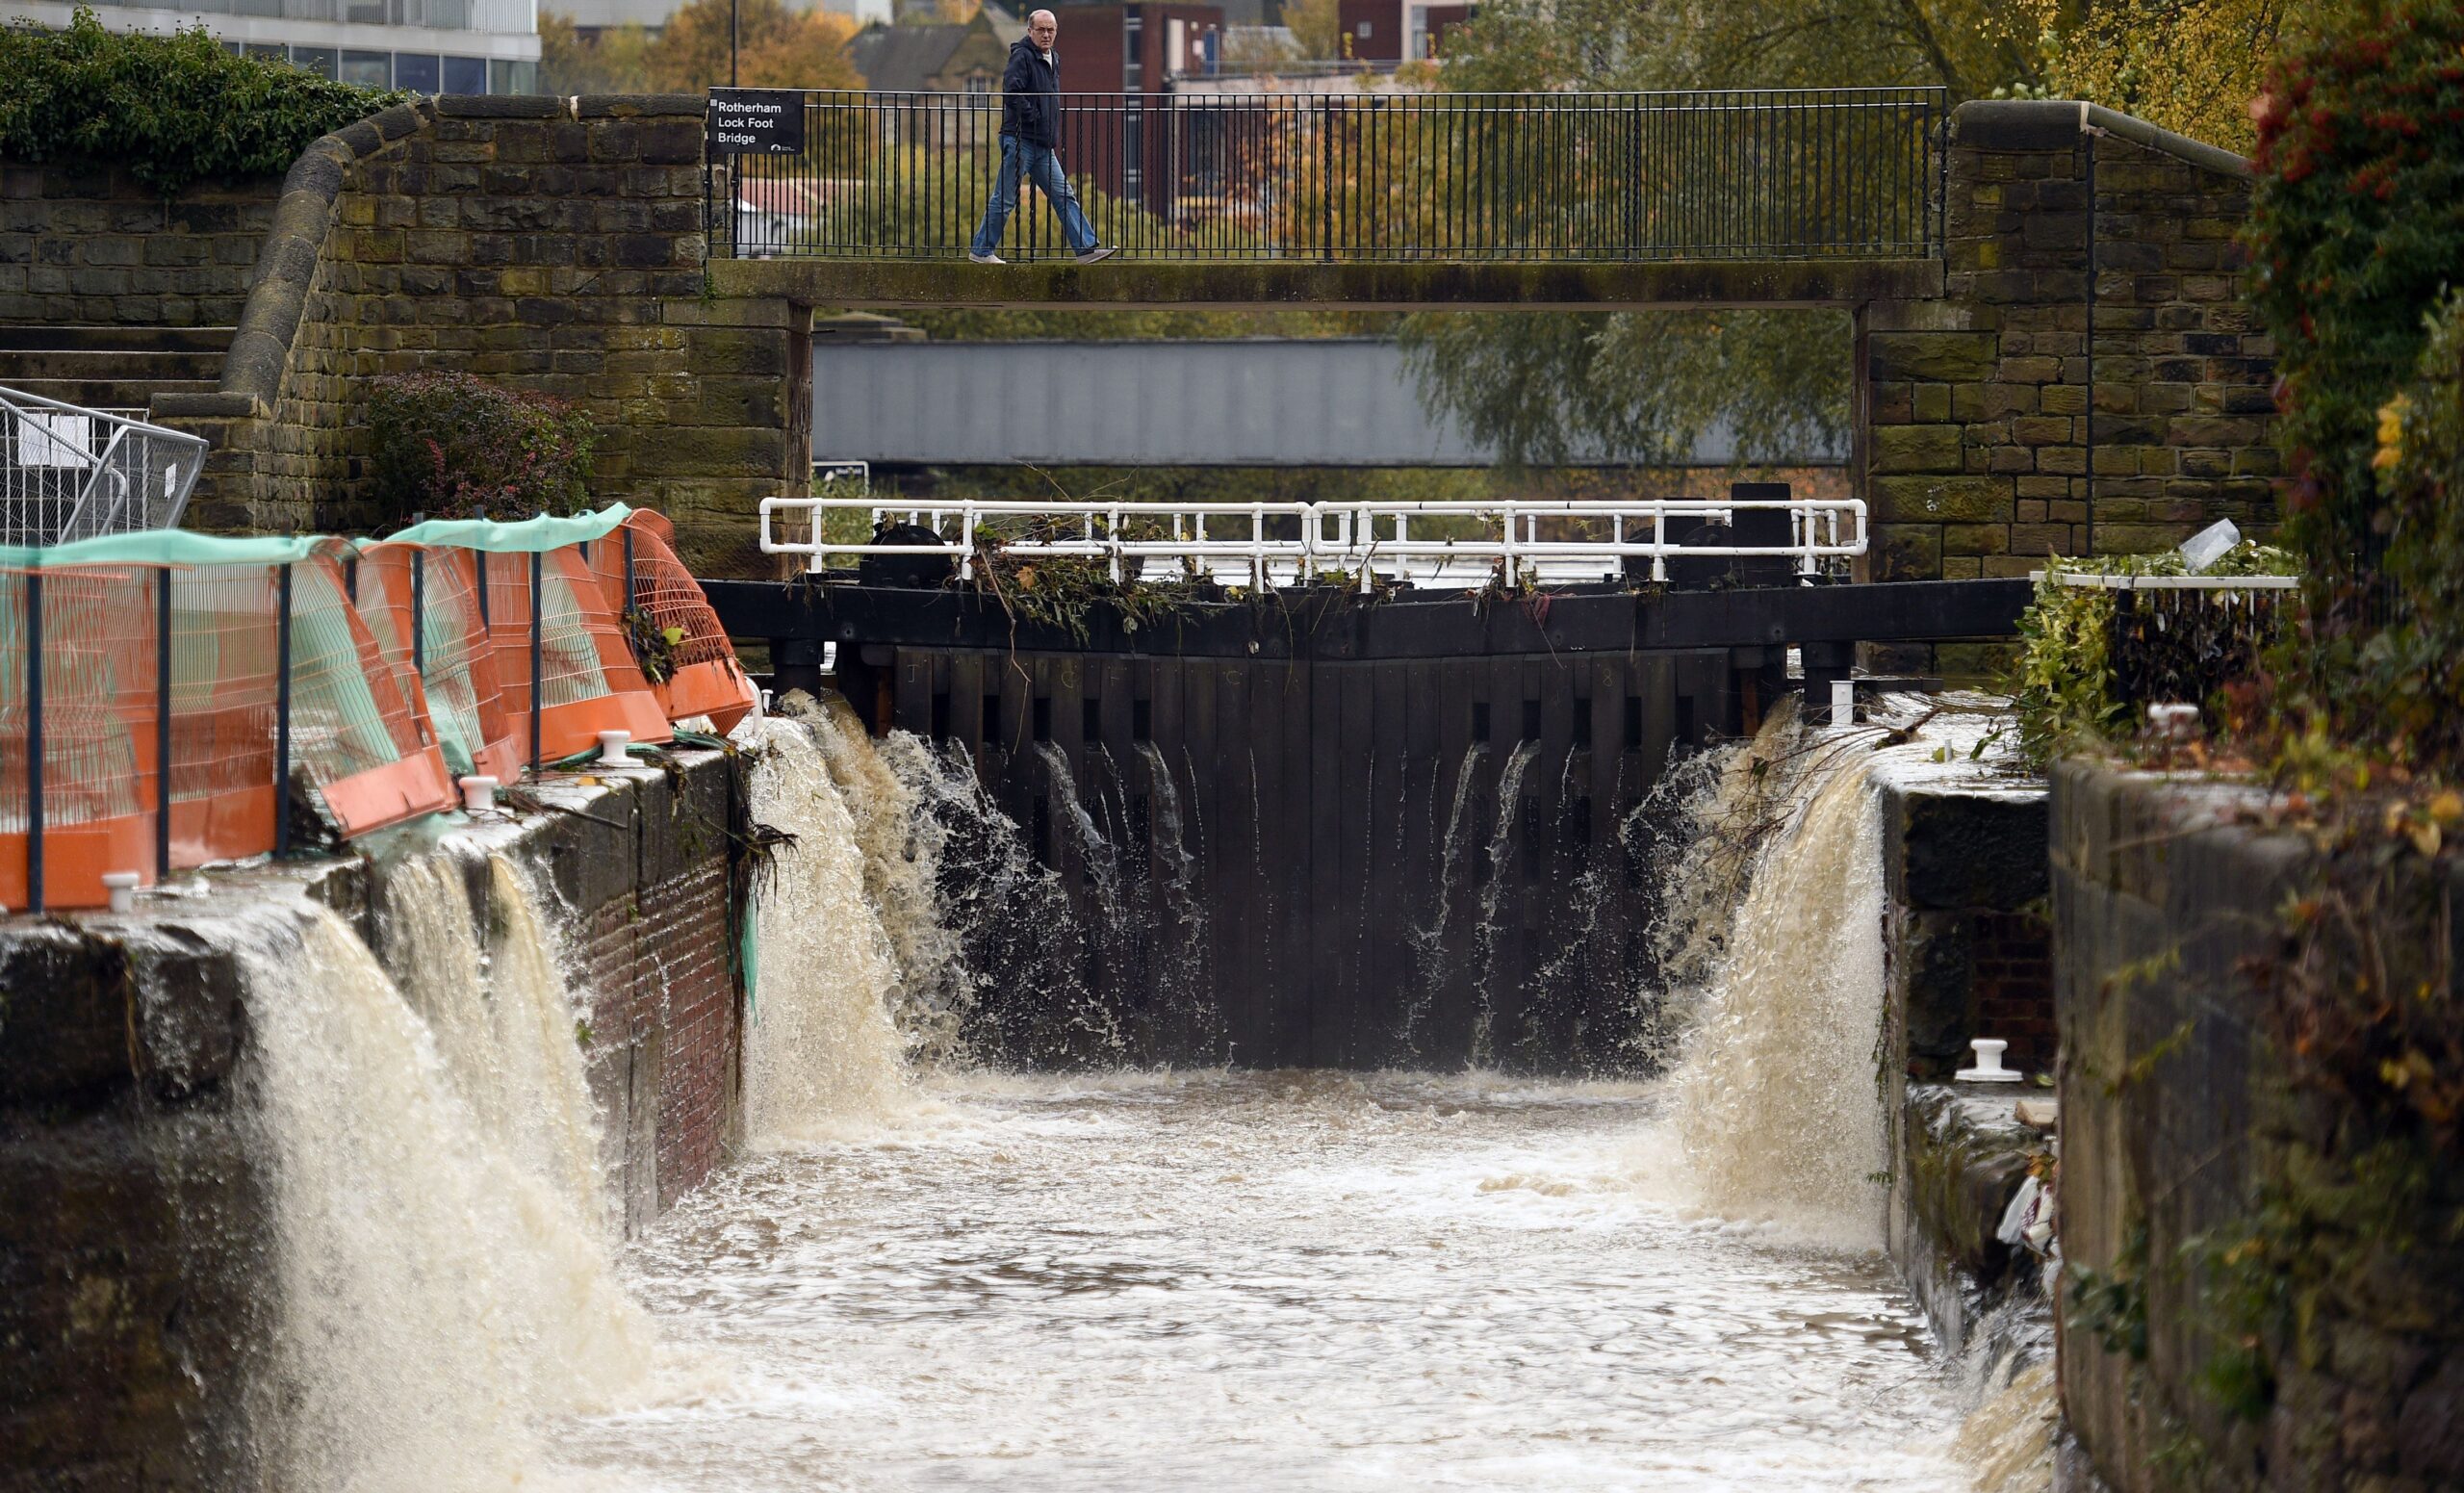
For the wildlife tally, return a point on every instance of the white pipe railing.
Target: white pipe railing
(1361, 540)
(2091, 580)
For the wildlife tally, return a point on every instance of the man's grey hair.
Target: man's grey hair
(1034, 16)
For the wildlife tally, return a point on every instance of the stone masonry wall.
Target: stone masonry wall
(549, 244)
(1977, 450)
(81, 244)
(2177, 1123)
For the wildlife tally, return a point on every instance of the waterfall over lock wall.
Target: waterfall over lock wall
(442, 1245)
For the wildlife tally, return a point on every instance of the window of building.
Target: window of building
(466, 75)
(506, 76)
(979, 81)
(318, 59)
(416, 72)
(375, 69)
(363, 13)
(270, 51)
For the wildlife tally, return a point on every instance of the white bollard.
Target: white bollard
(1989, 1067)
(1843, 702)
(611, 748)
(122, 886)
(478, 793)
(2174, 721)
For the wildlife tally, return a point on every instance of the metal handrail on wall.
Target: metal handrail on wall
(70, 473)
(1771, 174)
(1361, 541)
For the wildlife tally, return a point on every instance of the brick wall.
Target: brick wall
(645, 884)
(1967, 949)
(1978, 427)
(82, 245)
(552, 244)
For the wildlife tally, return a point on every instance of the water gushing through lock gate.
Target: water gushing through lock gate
(936, 1268)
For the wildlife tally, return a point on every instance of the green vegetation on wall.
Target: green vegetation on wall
(451, 446)
(2357, 237)
(2086, 664)
(171, 110)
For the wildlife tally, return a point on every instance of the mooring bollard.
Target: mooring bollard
(1989, 1067)
(478, 793)
(611, 748)
(122, 887)
(1843, 702)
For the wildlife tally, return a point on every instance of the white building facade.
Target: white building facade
(430, 46)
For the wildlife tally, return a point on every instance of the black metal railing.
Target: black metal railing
(1736, 175)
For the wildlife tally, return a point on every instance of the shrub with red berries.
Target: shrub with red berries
(2358, 227)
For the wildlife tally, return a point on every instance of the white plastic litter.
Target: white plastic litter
(2209, 545)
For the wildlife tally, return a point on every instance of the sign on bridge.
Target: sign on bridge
(755, 122)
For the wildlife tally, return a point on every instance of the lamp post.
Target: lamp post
(733, 6)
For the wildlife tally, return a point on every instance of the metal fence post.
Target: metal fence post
(33, 741)
(629, 561)
(163, 724)
(282, 720)
(537, 566)
(419, 612)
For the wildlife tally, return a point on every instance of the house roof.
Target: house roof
(778, 195)
(907, 58)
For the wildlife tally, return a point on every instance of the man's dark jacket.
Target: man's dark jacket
(1031, 96)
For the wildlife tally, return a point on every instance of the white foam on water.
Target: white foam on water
(440, 1287)
(823, 1055)
(1775, 1105)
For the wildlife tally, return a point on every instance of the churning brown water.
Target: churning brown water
(1237, 1281)
(1314, 1281)
(925, 1277)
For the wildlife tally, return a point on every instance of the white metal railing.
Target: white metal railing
(2091, 580)
(69, 473)
(1274, 543)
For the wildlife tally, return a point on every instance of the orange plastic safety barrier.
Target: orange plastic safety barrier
(699, 675)
(588, 681)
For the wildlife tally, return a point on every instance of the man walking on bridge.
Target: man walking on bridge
(1029, 132)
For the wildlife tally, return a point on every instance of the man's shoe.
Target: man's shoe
(1100, 251)
(974, 258)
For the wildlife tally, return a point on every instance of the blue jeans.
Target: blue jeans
(1044, 168)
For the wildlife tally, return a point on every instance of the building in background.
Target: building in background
(937, 57)
(432, 46)
(1136, 48)
(1396, 31)
(590, 18)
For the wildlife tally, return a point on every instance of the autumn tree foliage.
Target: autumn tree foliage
(775, 47)
(2190, 66)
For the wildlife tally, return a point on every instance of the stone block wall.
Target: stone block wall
(1991, 439)
(2176, 1123)
(80, 245)
(548, 245)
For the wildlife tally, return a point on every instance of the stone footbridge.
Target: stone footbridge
(571, 246)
